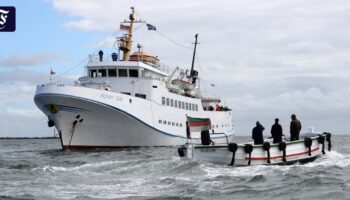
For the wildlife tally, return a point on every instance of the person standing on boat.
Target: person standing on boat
(276, 132)
(295, 127)
(257, 133)
(188, 132)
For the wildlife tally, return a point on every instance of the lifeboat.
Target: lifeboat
(175, 89)
(185, 85)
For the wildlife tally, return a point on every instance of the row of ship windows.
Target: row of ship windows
(169, 123)
(180, 124)
(179, 104)
(222, 125)
(113, 73)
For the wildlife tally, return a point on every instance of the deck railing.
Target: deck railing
(108, 58)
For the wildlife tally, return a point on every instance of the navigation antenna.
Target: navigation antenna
(125, 45)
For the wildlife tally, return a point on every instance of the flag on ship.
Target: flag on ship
(52, 72)
(151, 27)
(124, 27)
(198, 124)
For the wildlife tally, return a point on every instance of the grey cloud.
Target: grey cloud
(20, 75)
(21, 60)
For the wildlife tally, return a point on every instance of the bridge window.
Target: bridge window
(167, 101)
(163, 100)
(172, 103)
(140, 95)
(133, 73)
(123, 72)
(179, 104)
(127, 93)
(183, 105)
(175, 103)
(102, 73)
(186, 106)
(112, 72)
(93, 73)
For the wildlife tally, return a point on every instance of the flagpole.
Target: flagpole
(50, 75)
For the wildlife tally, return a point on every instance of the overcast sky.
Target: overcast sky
(267, 58)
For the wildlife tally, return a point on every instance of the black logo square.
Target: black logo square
(7, 19)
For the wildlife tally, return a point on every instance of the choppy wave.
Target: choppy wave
(158, 173)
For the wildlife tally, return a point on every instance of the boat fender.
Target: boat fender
(308, 144)
(266, 147)
(328, 139)
(233, 148)
(282, 147)
(321, 140)
(181, 151)
(248, 148)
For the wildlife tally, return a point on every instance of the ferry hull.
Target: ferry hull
(86, 123)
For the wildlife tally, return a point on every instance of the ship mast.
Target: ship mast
(125, 45)
(193, 73)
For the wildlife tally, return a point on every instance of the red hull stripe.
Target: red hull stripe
(277, 157)
(205, 123)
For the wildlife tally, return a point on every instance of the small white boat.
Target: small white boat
(286, 152)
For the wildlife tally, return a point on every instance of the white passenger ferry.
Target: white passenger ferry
(130, 100)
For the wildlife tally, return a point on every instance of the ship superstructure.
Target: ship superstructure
(130, 100)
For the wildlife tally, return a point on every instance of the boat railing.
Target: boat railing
(163, 67)
(110, 58)
(97, 58)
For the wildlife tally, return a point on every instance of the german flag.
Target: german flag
(124, 27)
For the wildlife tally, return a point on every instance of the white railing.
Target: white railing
(97, 58)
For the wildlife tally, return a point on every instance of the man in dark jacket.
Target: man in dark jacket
(257, 133)
(295, 127)
(276, 132)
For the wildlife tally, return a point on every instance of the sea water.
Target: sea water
(39, 169)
